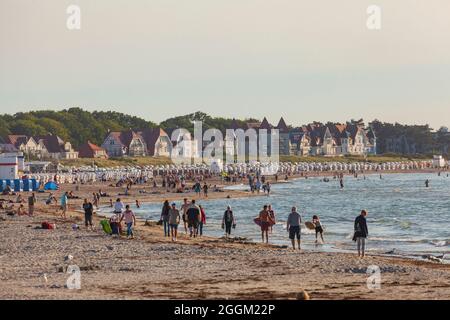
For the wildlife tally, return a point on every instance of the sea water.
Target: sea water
(404, 217)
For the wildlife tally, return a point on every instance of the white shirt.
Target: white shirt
(118, 207)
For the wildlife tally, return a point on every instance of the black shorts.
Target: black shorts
(193, 224)
(319, 229)
(294, 232)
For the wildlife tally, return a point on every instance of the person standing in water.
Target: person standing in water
(272, 216)
(361, 233)
(427, 183)
(318, 227)
(293, 227)
(264, 217)
(205, 190)
(202, 221)
(228, 221)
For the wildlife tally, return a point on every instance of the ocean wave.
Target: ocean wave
(435, 242)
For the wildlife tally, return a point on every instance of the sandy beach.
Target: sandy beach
(34, 261)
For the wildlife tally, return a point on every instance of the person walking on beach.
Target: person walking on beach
(264, 217)
(88, 208)
(64, 204)
(268, 188)
(165, 218)
(185, 207)
(174, 221)
(293, 227)
(318, 227)
(361, 233)
(31, 204)
(202, 221)
(193, 215)
(130, 221)
(228, 221)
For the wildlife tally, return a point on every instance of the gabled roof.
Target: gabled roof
(52, 143)
(89, 145)
(282, 126)
(16, 140)
(89, 149)
(265, 124)
(150, 136)
(124, 137)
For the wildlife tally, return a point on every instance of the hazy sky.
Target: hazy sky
(304, 60)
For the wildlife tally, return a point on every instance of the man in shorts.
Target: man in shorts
(174, 221)
(264, 217)
(293, 227)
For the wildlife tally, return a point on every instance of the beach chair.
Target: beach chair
(26, 185)
(17, 185)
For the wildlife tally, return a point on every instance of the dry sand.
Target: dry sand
(152, 267)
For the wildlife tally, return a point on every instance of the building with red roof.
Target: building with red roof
(90, 150)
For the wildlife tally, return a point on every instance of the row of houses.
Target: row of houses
(42, 147)
(319, 139)
(313, 139)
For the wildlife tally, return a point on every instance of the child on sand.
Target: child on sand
(318, 225)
